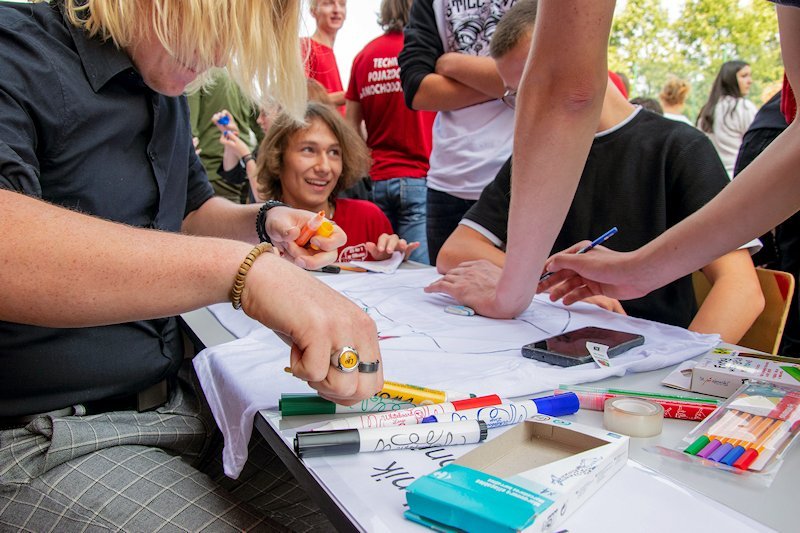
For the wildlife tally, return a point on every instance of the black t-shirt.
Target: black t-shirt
(80, 129)
(643, 177)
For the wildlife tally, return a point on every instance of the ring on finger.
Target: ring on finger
(369, 368)
(345, 359)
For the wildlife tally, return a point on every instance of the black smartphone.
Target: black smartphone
(569, 349)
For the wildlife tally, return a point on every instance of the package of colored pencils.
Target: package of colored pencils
(751, 432)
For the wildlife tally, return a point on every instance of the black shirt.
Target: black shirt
(80, 128)
(643, 177)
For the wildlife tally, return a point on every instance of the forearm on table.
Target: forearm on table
(65, 269)
(219, 217)
(440, 93)
(466, 244)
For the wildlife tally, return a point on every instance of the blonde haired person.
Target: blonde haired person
(673, 99)
(98, 179)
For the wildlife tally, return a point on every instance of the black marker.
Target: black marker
(347, 441)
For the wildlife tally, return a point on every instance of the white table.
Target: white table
(770, 506)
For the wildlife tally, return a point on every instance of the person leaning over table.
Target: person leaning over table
(97, 178)
(560, 97)
(644, 174)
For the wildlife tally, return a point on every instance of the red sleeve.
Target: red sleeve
(616, 80)
(788, 102)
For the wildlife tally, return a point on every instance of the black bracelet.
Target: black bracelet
(248, 157)
(261, 219)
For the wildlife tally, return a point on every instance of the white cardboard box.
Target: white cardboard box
(721, 372)
(530, 478)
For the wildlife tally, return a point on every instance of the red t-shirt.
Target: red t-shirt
(363, 222)
(320, 64)
(616, 80)
(400, 138)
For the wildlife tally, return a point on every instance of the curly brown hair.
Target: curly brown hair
(355, 154)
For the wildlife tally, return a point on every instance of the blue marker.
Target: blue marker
(224, 120)
(600, 240)
(506, 414)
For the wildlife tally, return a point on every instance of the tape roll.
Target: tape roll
(634, 417)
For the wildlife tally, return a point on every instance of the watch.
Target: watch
(261, 219)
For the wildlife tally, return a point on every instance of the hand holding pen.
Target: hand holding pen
(598, 241)
(620, 275)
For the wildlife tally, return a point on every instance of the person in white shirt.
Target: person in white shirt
(727, 114)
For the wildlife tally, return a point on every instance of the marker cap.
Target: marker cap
(558, 405)
(334, 442)
(484, 430)
(479, 401)
(305, 404)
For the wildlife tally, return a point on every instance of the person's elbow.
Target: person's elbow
(569, 95)
(447, 259)
(753, 294)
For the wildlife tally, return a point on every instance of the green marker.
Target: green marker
(792, 371)
(697, 445)
(312, 404)
(640, 394)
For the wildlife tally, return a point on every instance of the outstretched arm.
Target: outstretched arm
(66, 269)
(558, 109)
(762, 195)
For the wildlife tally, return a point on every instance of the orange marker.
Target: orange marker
(325, 230)
(310, 229)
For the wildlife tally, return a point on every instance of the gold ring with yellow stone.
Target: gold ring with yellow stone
(345, 359)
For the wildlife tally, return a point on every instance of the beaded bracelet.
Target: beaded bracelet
(261, 219)
(244, 268)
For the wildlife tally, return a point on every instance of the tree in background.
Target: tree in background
(647, 46)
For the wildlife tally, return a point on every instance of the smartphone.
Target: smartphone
(569, 349)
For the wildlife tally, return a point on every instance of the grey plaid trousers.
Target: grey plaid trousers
(153, 471)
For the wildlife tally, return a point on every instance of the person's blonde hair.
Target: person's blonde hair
(675, 91)
(355, 154)
(258, 38)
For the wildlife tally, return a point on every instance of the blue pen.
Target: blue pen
(600, 240)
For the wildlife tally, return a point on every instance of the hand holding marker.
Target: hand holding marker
(317, 225)
(600, 240)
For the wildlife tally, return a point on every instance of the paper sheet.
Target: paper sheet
(387, 266)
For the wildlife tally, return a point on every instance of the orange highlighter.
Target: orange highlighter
(317, 225)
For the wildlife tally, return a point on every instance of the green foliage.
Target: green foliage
(647, 46)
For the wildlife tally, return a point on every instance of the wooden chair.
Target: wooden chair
(766, 332)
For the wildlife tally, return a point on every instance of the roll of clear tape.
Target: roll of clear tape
(634, 417)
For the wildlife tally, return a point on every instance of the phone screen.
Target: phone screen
(573, 343)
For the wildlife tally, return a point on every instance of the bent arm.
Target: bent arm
(560, 98)
(466, 244)
(219, 217)
(477, 72)
(440, 93)
(735, 299)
